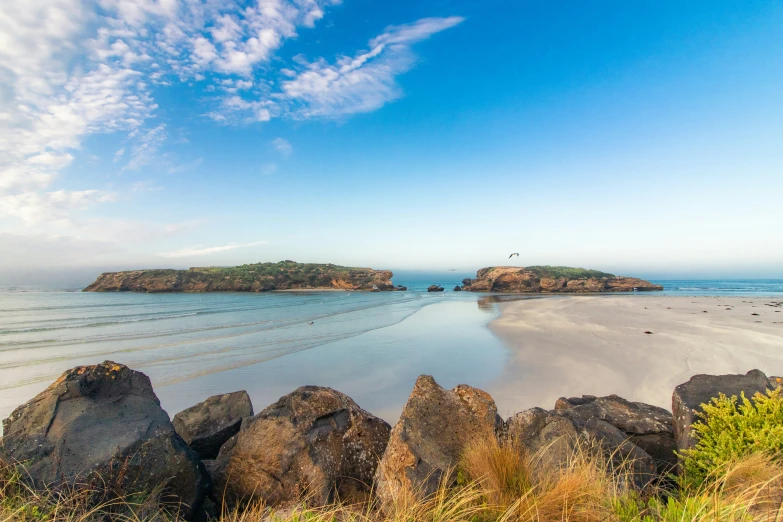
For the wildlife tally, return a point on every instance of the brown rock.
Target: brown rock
(701, 389)
(314, 443)
(428, 440)
(102, 426)
(206, 426)
(546, 279)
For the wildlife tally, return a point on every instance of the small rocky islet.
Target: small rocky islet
(103, 424)
(290, 275)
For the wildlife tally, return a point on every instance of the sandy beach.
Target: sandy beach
(597, 345)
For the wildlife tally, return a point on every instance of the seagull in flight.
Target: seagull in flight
(310, 323)
(514, 254)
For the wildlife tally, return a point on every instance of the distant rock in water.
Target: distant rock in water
(258, 277)
(552, 279)
(434, 288)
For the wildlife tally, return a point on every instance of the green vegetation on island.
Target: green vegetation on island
(256, 277)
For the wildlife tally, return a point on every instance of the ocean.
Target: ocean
(371, 346)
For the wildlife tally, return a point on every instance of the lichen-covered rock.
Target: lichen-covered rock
(206, 426)
(550, 439)
(627, 430)
(700, 389)
(428, 440)
(103, 426)
(315, 443)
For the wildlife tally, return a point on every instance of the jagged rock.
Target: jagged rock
(549, 438)
(458, 288)
(206, 426)
(314, 443)
(645, 426)
(103, 426)
(434, 288)
(700, 389)
(427, 441)
(552, 279)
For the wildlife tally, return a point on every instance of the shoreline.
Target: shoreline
(596, 344)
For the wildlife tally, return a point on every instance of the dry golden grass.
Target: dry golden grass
(496, 482)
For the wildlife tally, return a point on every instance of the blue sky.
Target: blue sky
(635, 137)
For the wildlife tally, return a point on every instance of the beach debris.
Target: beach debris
(754, 314)
(648, 332)
(206, 426)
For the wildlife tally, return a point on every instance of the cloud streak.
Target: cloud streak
(200, 251)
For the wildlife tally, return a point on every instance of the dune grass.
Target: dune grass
(495, 482)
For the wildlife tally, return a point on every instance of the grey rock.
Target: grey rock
(103, 426)
(206, 426)
(701, 389)
(430, 436)
(549, 439)
(313, 443)
(646, 426)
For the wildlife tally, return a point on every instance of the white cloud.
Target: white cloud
(362, 83)
(282, 146)
(201, 251)
(36, 207)
(145, 150)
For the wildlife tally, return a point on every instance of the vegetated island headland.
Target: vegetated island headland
(541, 279)
(290, 275)
(257, 277)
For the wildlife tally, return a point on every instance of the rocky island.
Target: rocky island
(552, 279)
(257, 277)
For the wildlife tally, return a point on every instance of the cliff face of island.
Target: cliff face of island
(259, 277)
(552, 279)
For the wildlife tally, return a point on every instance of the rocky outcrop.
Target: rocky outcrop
(434, 288)
(314, 443)
(647, 427)
(206, 426)
(102, 426)
(458, 288)
(259, 277)
(428, 440)
(552, 279)
(701, 389)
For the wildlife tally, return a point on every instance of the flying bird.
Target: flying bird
(514, 254)
(310, 323)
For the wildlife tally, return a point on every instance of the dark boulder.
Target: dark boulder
(102, 426)
(434, 288)
(430, 436)
(458, 288)
(550, 439)
(209, 424)
(701, 389)
(314, 443)
(617, 423)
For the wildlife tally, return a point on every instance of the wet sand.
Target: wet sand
(597, 345)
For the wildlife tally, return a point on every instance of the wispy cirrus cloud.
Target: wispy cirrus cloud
(283, 146)
(360, 83)
(203, 251)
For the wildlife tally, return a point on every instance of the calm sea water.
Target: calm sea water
(371, 346)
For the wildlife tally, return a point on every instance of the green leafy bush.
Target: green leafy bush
(730, 429)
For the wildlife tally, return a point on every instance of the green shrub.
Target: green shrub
(729, 429)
